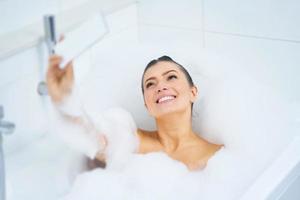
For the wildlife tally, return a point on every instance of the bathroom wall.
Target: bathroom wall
(171, 21)
(262, 37)
(17, 14)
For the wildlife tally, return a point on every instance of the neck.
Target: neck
(173, 129)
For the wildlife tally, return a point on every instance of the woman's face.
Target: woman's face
(166, 90)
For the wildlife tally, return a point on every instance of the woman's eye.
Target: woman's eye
(149, 84)
(172, 77)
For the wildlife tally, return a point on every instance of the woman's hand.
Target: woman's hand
(101, 154)
(59, 81)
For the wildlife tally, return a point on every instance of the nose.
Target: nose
(161, 86)
(161, 89)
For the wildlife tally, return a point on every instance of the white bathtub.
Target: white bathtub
(45, 168)
(281, 179)
(42, 172)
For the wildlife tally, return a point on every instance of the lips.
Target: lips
(165, 98)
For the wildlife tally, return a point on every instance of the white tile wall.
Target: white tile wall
(169, 35)
(16, 14)
(69, 4)
(122, 19)
(170, 22)
(175, 13)
(272, 62)
(263, 18)
(104, 5)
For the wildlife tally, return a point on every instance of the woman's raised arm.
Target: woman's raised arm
(73, 124)
(110, 135)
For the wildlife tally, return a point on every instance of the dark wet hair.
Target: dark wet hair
(168, 59)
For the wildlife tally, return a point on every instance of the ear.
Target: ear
(194, 93)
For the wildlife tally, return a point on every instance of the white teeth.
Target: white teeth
(165, 98)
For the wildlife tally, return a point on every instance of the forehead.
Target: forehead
(159, 68)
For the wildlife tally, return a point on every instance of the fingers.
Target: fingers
(61, 38)
(55, 60)
(53, 68)
(103, 141)
(69, 74)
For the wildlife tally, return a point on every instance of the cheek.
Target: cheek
(181, 88)
(184, 91)
(147, 98)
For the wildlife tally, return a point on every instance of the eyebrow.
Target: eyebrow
(172, 70)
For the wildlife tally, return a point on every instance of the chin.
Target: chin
(167, 111)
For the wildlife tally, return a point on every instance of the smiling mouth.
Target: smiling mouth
(165, 99)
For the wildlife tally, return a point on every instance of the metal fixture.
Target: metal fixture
(5, 128)
(50, 38)
(50, 33)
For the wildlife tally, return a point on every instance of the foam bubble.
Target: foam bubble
(156, 176)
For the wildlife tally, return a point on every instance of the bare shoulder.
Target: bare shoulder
(207, 150)
(212, 149)
(146, 134)
(148, 141)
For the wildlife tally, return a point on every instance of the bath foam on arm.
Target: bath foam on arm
(84, 133)
(72, 125)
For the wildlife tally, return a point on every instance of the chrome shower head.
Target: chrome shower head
(50, 32)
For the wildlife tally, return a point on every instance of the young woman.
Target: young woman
(169, 94)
